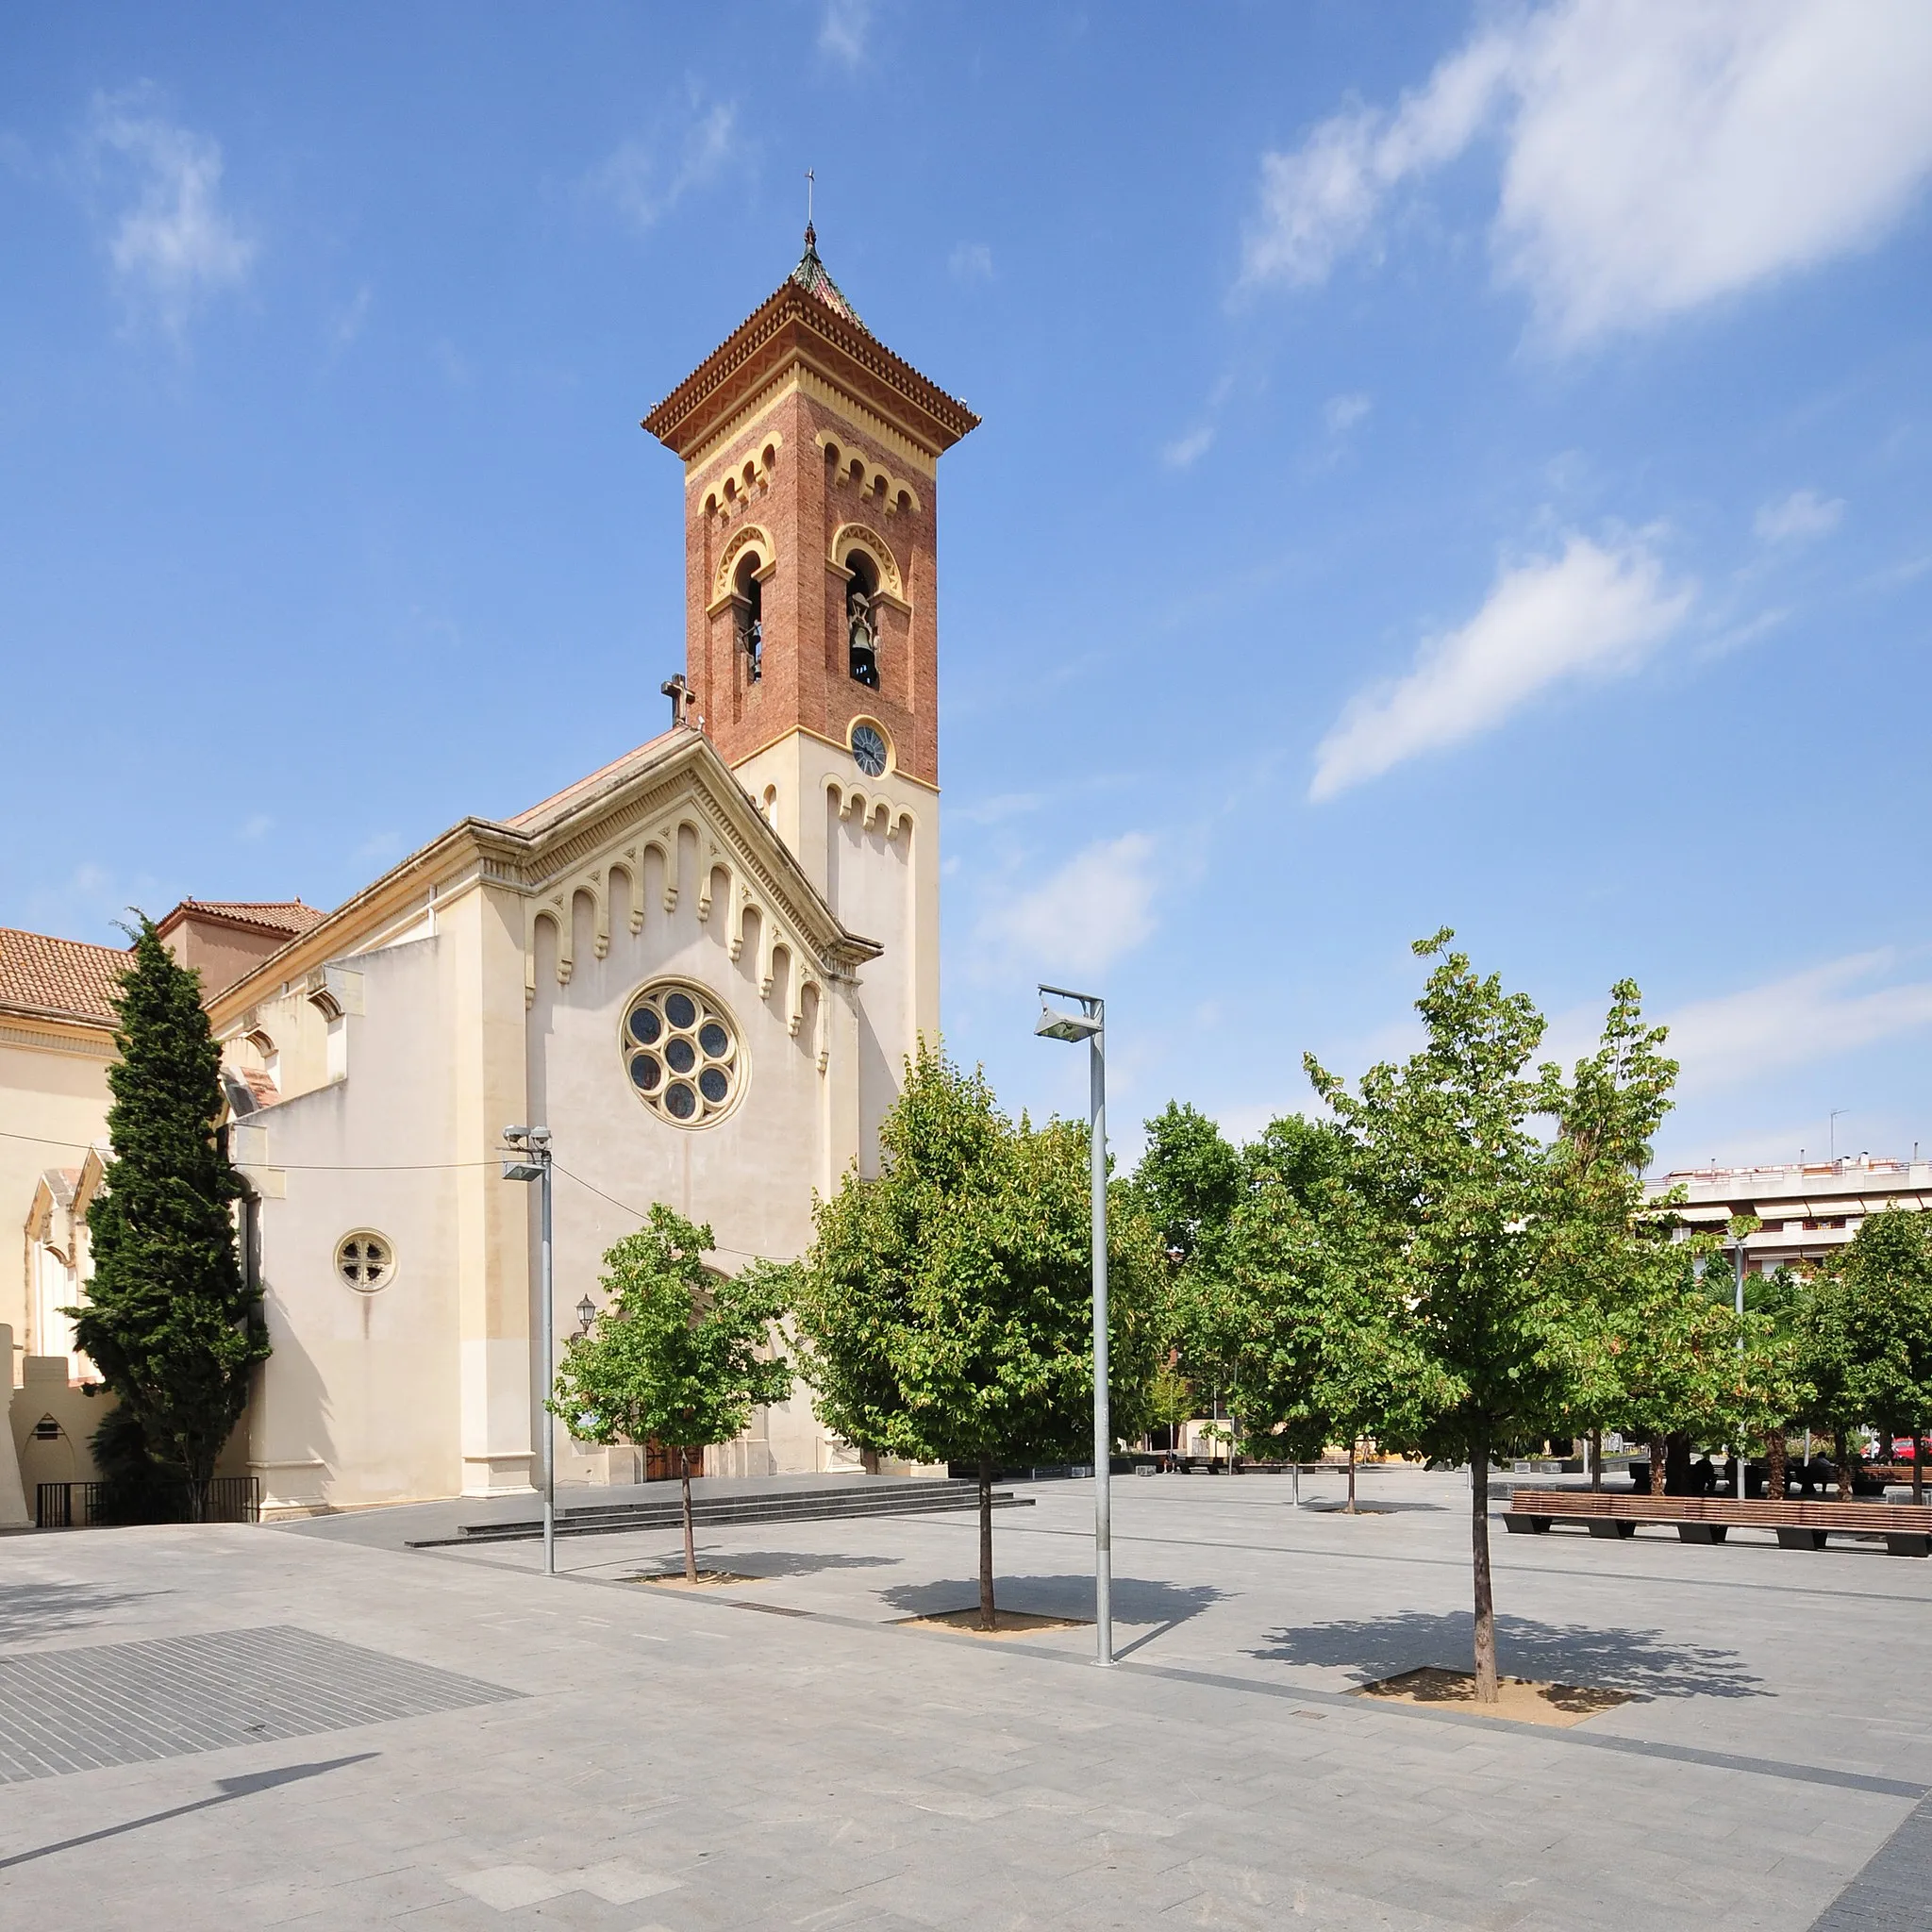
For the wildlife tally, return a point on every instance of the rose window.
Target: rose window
(365, 1260)
(682, 1051)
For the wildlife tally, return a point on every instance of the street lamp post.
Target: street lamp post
(1089, 1023)
(527, 1157)
(1738, 1263)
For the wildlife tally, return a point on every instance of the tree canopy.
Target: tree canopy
(944, 1311)
(679, 1352)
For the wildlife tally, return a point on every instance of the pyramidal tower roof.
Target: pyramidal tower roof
(807, 320)
(810, 275)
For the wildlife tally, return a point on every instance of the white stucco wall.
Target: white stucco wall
(360, 1403)
(749, 1177)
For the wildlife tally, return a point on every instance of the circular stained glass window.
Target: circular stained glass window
(695, 1067)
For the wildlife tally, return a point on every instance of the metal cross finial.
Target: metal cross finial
(809, 178)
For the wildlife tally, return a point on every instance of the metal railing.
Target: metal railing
(88, 1506)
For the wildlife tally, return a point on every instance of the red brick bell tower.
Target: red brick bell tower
(810, 455)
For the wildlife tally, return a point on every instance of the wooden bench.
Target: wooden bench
(1906, 1528)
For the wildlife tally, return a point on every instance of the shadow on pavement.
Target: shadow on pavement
(1635, 1660)
(245, 1785)
(45, 1609)
(762, 1563)
(1135, 1599)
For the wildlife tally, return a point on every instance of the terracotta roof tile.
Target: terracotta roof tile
(59, 976)
(274, 915)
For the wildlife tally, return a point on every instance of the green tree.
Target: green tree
(1458, 1183)
(1188, 1183)
(1887, 1272)
(1605, 1244)
(945, 1309)
(1828, 1359)
(1312, 1320)
(677, 1352)
(170, 1322)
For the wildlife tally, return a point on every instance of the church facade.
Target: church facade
(702, 967)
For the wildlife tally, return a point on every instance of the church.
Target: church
(702, 968)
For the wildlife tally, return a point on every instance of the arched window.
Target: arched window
(751, 614)
(862, 620)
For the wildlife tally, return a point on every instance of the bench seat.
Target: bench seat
(1906, 1528)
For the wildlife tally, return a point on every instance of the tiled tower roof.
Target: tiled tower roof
(810, 275)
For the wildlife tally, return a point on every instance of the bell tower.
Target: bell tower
(812, 634)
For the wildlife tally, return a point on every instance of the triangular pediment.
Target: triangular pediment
(646, 803)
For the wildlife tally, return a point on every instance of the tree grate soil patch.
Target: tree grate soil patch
(106, 1703)
(1520, 1700)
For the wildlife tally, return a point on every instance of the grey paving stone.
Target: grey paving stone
(83, 1709)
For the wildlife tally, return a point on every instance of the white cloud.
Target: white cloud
(173, 244)
(1588, 613)
(348, 321)
(1184, 451)
(644, 186)
(1341, 413)
(970, 261)
(256, 825)
(1654, 157)
(1799, 517)
(1826, 1010)
(1084, 916)
(842, 29)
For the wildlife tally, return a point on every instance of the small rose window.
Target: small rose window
(682, 1054)
(365, 1260)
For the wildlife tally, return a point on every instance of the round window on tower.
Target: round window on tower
(682, 1053)
(365, 1260)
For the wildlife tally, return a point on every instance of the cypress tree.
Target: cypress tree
(171, 1322)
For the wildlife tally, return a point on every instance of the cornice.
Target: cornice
(793, 326)
(49, 1030)
(832, 744)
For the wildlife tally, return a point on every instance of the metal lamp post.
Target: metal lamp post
(1089, 1023)
(1738, 1260)
(527, 1157)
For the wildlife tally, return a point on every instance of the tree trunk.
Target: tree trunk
(691, 1548)
(1918, 1467)
(198, 1498)
(1774, 1454)
(1678, 1463)
(988, 1616)
(1479, 1551)
(1842, 1443)
(1350, 1509)
(1596, 1458)
(1656, 1465)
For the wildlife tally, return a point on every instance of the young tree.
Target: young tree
(677, 1352)
(1829, 1362)
(1189, 1182)
(1605, 1246)
(945, 1308)
(170, 1322)
(1321, 1341)
(1459, 1183)
(1888, 1272)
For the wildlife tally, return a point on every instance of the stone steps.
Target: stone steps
(895, 1498)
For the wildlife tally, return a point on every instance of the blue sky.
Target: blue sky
(1439, 466)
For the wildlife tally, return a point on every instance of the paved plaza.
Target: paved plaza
(312, 1724)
